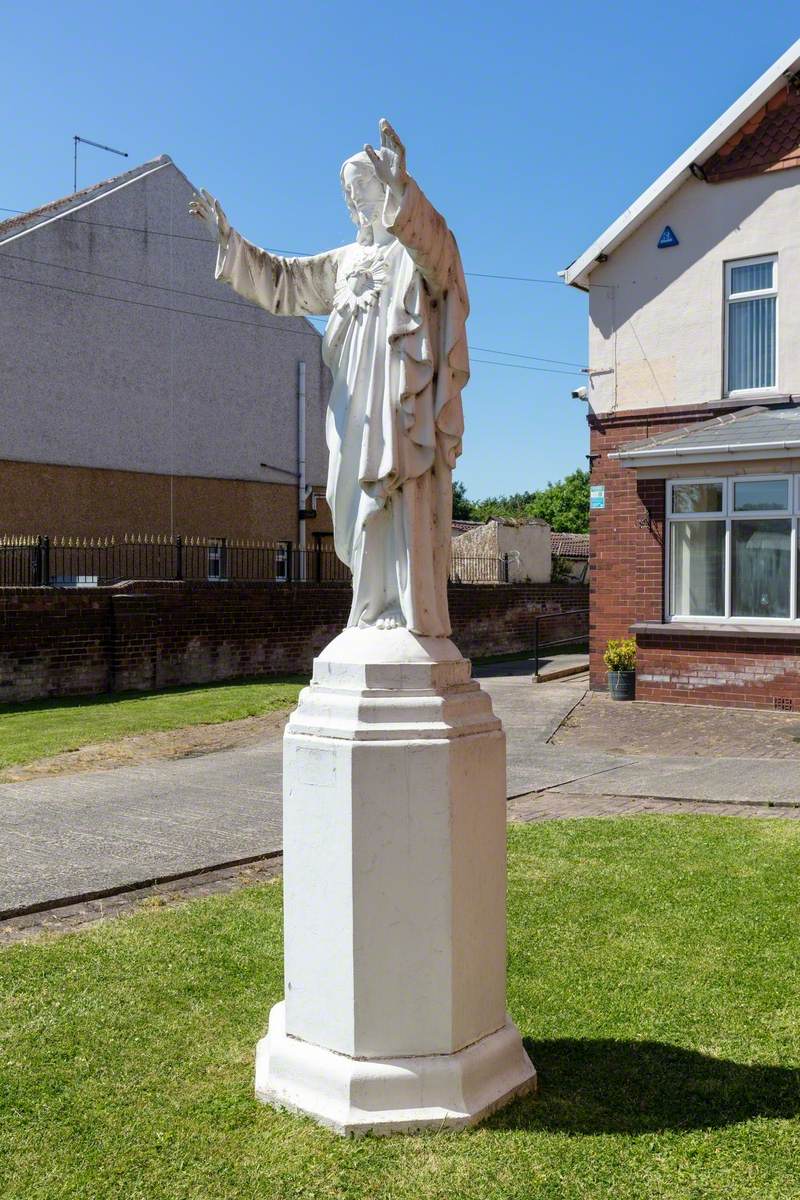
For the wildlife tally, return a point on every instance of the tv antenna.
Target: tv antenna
(97, 146)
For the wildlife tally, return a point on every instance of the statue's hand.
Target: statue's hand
(209, 210)
(390, 161)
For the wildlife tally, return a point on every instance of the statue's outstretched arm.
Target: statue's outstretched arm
(292, 287)
(285, 286)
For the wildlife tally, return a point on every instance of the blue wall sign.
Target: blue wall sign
(667, 238)
(597, 495)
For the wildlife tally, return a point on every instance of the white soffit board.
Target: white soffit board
(577, 273)
(716, 454)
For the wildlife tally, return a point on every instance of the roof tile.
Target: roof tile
(769, 141)
(570, 545)
(752, 426)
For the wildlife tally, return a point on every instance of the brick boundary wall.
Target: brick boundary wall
(84, 641)
(626, 557)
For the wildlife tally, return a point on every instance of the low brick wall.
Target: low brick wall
(746, 672)
(61, 642)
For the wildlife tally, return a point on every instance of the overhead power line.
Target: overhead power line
(192, 237)
(514, 278)
(533, 357)
(521, 367)
(159, 286)
(188, 312)
(213, 299)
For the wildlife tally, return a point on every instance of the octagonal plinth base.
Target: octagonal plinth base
(401, 1095)
(394, 835)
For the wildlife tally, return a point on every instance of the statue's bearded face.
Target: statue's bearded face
(364, 191)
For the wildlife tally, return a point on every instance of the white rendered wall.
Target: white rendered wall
(528, 545)
(657, 316)
(530, 548)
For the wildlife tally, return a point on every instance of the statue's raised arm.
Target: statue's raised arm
(412, 219)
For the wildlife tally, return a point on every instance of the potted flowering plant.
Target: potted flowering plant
(620, 658)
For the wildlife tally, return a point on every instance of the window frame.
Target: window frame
(217, 552)
(728, 516)
(283, 561)
(737, 297)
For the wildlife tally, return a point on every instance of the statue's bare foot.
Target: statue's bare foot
(387, 623)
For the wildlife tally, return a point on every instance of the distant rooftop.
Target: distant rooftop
(569, 545)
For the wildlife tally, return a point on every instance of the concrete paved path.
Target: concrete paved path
(543, 806)
(95, 833)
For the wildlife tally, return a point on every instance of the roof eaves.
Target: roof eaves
(709, 453)
(577, 273)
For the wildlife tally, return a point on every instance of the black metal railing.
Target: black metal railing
(94, 562)
(566, 627)
(478, 568)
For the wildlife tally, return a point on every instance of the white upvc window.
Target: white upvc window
(751, 325)
(217, 559)
(283, 553)
(732, 549)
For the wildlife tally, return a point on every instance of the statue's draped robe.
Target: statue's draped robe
(395, 419)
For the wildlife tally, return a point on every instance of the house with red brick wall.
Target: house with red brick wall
(694, 413)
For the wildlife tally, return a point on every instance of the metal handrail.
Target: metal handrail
(579, 637)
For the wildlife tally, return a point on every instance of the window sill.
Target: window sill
(751, 629)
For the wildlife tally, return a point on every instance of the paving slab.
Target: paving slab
(721, 780)
(563, 806)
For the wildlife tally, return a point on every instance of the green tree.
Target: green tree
(564, 505)
(462, 507)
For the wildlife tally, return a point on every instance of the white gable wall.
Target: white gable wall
(656, 317)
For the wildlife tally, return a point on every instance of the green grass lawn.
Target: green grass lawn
(654, 970)
(42, 727)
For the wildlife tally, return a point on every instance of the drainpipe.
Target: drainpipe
(301, 453)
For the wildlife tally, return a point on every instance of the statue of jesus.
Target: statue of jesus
(396, 347)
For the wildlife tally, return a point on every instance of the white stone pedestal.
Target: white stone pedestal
(395, 888)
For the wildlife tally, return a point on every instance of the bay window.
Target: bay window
(751, 303)
(732, 548)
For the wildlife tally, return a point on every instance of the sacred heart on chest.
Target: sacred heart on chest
(361, 286)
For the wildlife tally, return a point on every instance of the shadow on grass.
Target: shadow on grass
(607, 1086)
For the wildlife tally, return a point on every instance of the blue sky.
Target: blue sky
(530, 125)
